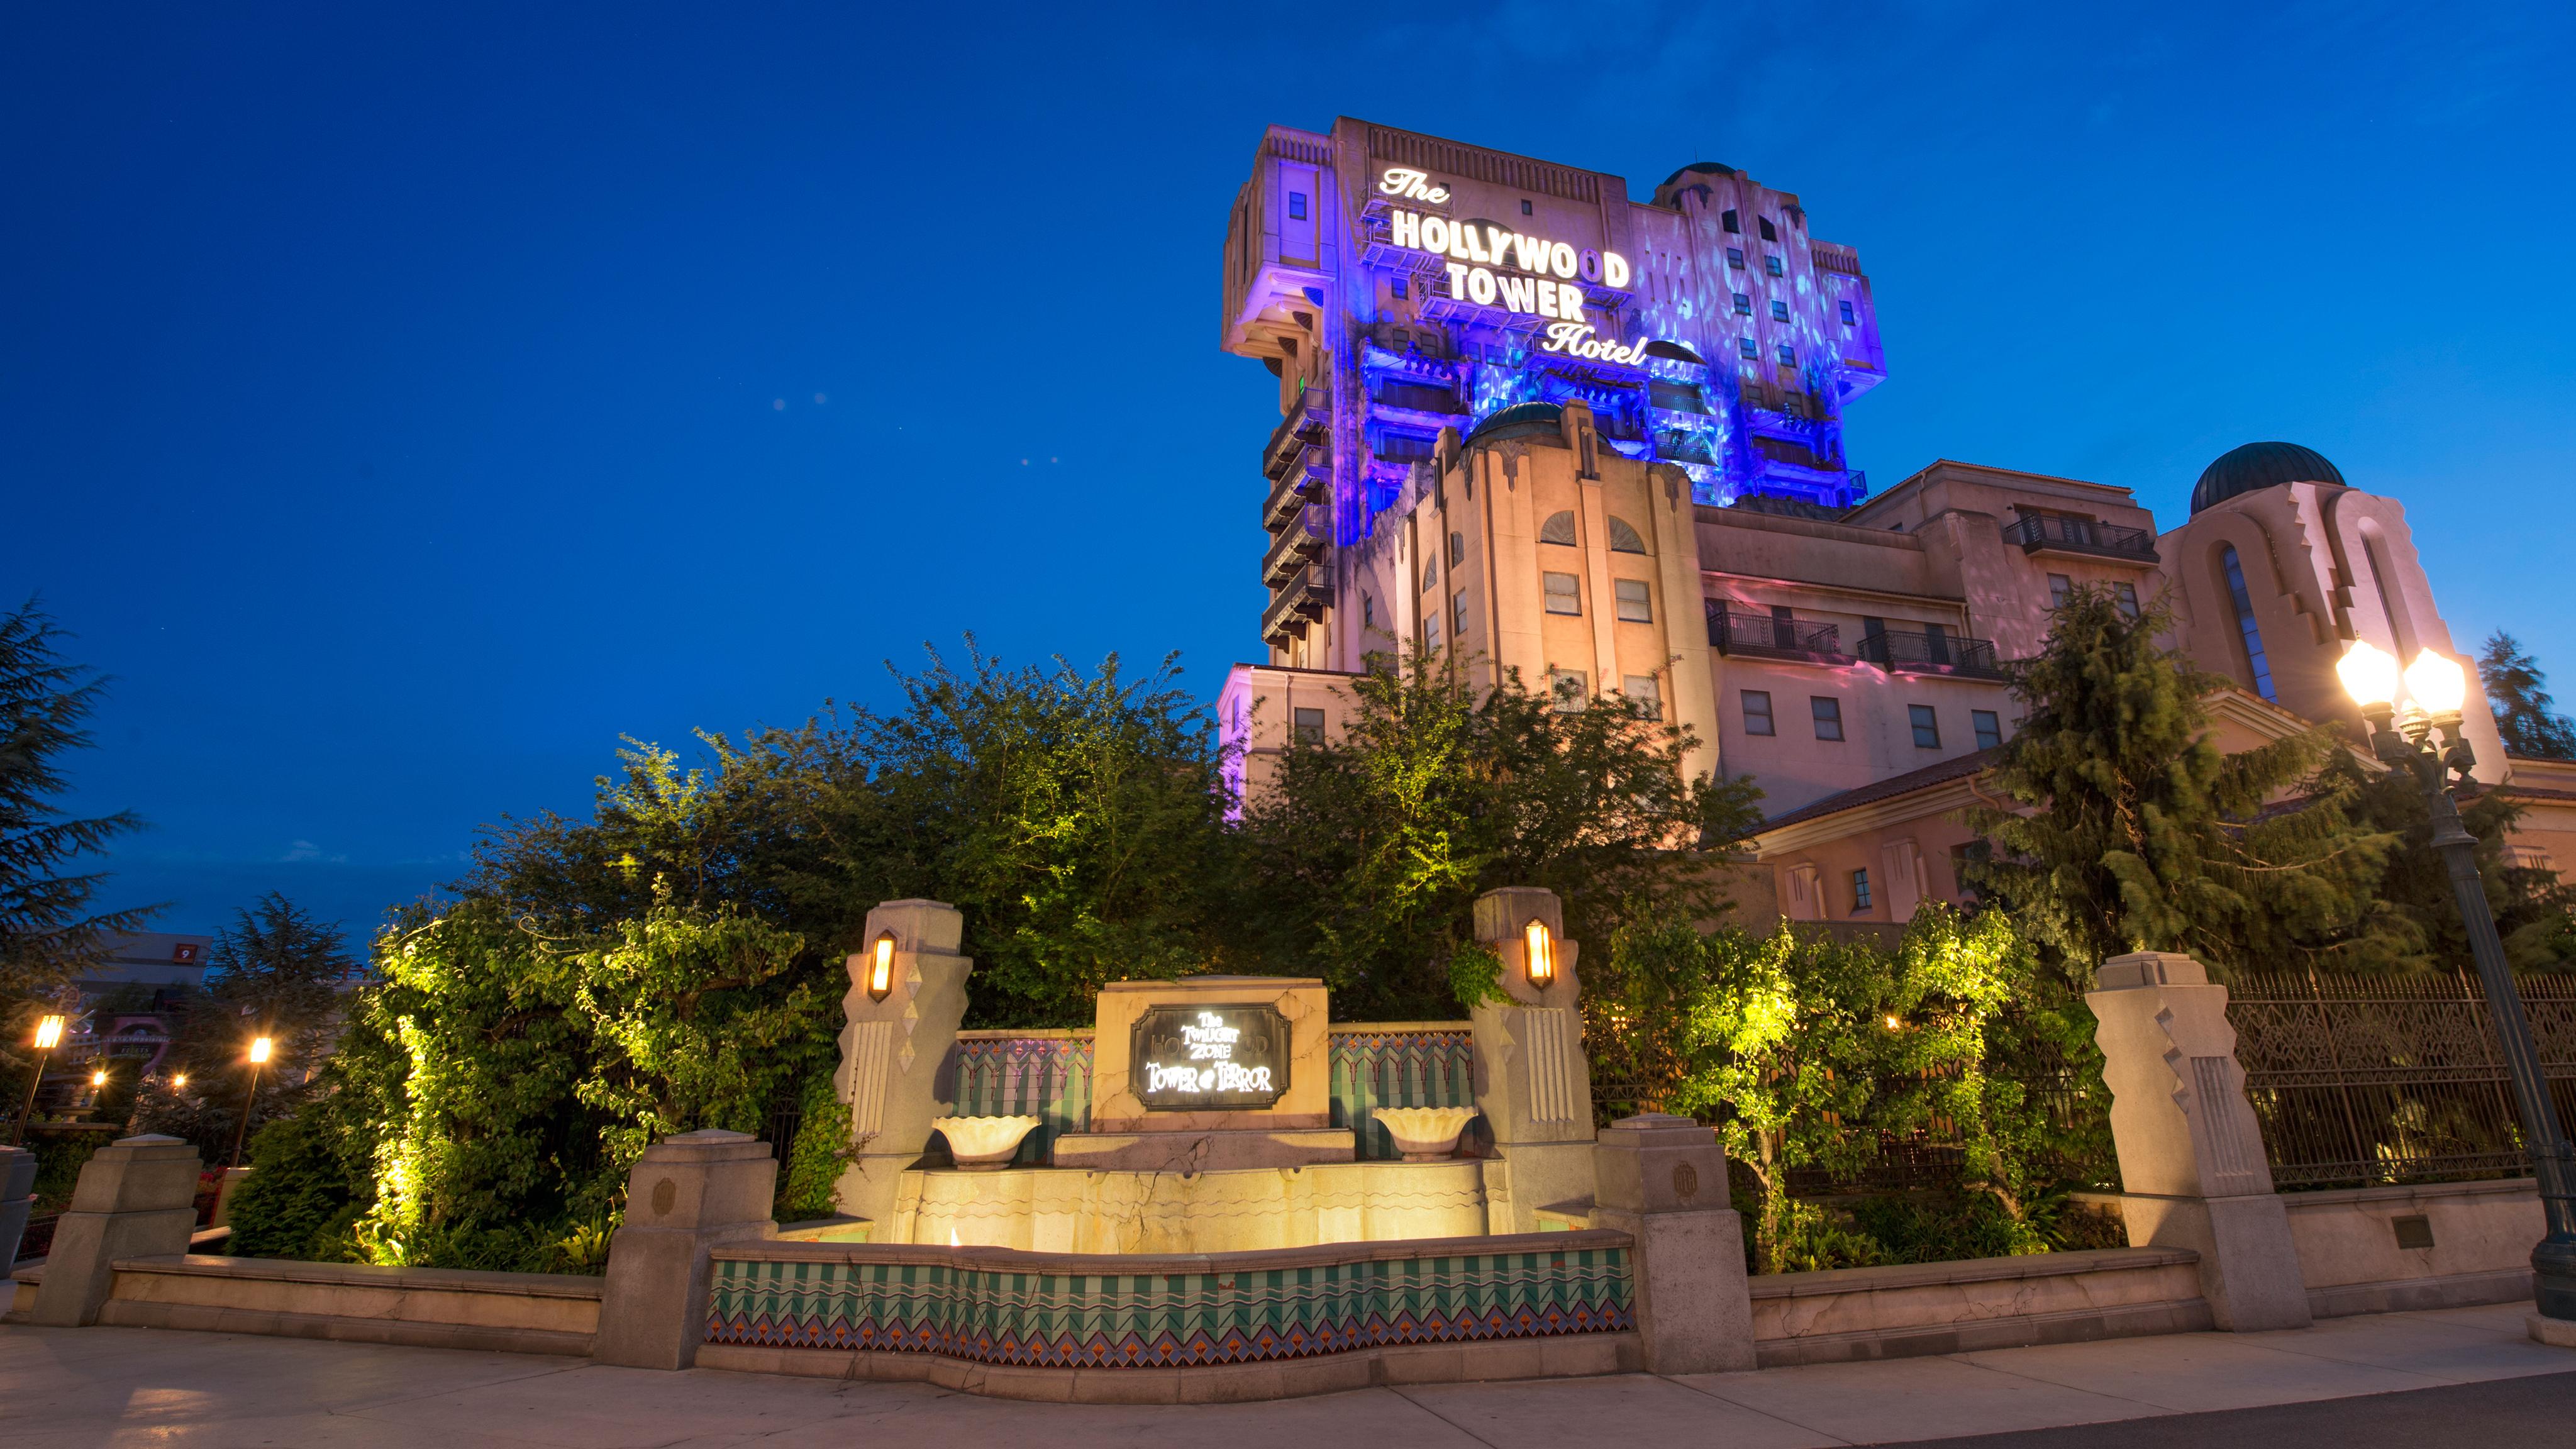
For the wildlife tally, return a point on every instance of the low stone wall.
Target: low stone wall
(2476, 1240)
(1926, 1308)
(423, 1307)
(1183, 1327)
(1062, 1210)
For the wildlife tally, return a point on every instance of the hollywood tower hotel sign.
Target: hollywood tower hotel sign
(1397, 285)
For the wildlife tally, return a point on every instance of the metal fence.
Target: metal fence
(2360, 1080)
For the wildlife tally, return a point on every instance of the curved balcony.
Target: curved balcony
(1298, 602)
(1306, 481)
(1307, 422)
(1297, 545)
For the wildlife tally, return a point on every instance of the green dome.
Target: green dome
(1520, 420)
(2258, 466)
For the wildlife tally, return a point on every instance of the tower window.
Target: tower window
(1430, 632)
(1642, 694)
(1457, 549)
(1525, 207)
(1458, 617)
(1624, 537)
(1567, 686)
(1564, 593)
(1743, 305)
(1788, 355)
(1397, 288)
(1430, 576)
(1559, 528)
(2127, 594)
(1860, 891)
(1779, 310)
(1757, 711)
(1749, 348)
(1368, 612)
(1927, 726)
(1730, 223)
(1310, 726)
(1828, 715)
(1768, 234)
(1735, 258)
(2059, 586)
(2245, 625)
(1850, 318)
(1634, 605)
(1771, 264)
(1990, 731)
(1296, 206)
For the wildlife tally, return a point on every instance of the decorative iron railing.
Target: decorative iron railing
(2363, 1080)
(1773, 637)
(2038, 531)
(1428, 1064)
(1911, 651)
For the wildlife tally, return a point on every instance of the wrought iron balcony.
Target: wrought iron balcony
(1297, 603)
(1304, 481)
(1911, 651)
(1296, 546)
(2048, 533)
(1770, 636)
(1307, 422)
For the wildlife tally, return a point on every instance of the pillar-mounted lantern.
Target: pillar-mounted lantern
(881, 966)
(1541, 953)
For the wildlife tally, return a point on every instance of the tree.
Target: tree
(2121, 827)
(1364, 859)
(2519, 696)
(47, 926)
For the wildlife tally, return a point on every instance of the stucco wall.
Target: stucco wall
(2482, 1235)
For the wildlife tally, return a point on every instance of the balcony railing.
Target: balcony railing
(1296, 546)
(1908, 651)
(1301, 483)
(1300, 601)
(1767, 636)
(2036, 532)
(1305, 423)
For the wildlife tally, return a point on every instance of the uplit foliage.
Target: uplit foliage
(1365, 860)
(2124, 827)
(1810, 1053)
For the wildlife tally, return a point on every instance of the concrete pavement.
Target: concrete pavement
(113, 1387)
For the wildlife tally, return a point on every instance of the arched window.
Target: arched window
(1624, 539)
(1559, 528)
(2245, 625)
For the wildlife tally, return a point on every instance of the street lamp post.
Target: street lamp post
(2428, 740)
(258, 1056)
(48, 1032)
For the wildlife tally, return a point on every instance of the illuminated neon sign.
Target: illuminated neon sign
(1412, 186)
(1494, 266)
(1192, 1058)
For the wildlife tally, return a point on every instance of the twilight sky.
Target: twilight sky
(402, 408)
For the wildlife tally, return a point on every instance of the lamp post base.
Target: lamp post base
(2553, 1269)
(2556, 1332)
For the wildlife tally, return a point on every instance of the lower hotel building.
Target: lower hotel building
(1598, 442)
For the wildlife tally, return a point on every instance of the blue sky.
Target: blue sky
(404, 407)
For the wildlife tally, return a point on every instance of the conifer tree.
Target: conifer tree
(2519, 696)
(47, 929)
(2122, 827)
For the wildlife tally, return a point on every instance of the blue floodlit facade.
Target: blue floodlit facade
(1397, 284)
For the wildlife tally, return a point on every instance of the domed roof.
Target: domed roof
(1520, 420)
(2257, 466)
(1704, 168)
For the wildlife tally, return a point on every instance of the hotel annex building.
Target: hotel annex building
(1598, 441)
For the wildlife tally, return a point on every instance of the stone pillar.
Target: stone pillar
(137, 1198)
(891, 1050)
(1663, 1183)
(687, 1196)
(1533, 1083)
(17, 1200)
(2192, 1168)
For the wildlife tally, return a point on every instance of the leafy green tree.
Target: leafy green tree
(2519, 696)
(48, 928)
(2127, 829)
(1363, 861)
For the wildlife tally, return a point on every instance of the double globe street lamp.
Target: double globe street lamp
(2425, 737)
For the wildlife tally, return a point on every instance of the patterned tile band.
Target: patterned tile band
(1410, 1067)
(1048, 1078)
(984, 1314)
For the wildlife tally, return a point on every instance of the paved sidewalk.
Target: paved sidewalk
(120, 1386)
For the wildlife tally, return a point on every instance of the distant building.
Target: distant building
(1608, 502)
(154, 958)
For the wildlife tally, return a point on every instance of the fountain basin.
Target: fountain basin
(1425, 1134)
(984, 1144)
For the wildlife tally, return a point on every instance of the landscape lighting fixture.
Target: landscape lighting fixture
(49, 1033)
(1542, 953)
(258, 1050)
(881, 967)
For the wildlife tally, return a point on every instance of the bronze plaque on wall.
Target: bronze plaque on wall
(1208, 1058)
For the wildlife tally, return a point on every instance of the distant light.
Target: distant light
(98, 1078)
(1893, 1023)
(179, 1081)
